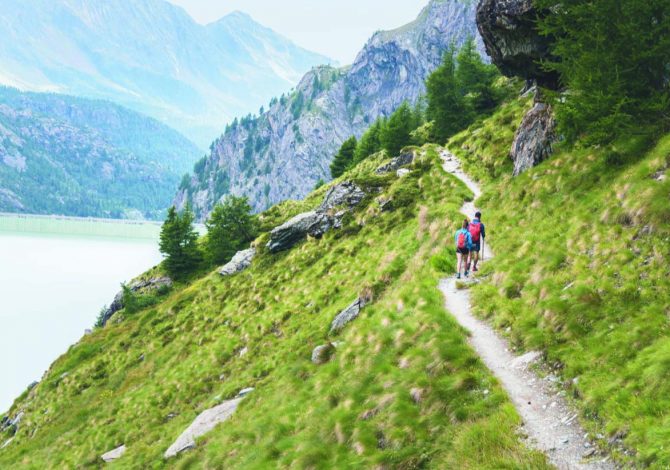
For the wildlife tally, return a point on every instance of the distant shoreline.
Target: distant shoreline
(79, 226)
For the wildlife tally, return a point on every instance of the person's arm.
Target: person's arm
(483, 231)
(469, 241)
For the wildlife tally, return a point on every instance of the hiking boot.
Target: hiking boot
(474, 270)
(467, 273)
(458, 276)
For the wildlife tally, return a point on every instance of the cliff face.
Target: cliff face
(282, 153)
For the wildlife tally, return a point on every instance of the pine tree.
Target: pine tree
(179, 243)
(614, 57)
(475, 79)
(396, 133)
(230, 227)
(447, 107)
(370, 142)
(344, 158)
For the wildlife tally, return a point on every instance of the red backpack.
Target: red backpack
(475, 231)
(462, 240)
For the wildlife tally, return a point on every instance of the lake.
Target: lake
(53, 285)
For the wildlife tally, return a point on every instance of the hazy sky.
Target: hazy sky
(336, 28)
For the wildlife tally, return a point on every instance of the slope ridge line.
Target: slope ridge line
(550, 422)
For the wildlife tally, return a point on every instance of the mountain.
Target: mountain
(282, 153)
(73, 156)
(150, 56)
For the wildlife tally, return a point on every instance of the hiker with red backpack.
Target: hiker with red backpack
(478, 234)
(463, 241)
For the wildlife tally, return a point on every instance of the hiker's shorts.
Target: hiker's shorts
(476, 247)
(463, 251)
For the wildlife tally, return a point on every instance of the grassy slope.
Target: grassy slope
(183, 355)
(582, 245)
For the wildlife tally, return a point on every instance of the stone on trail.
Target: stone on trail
(205, 422)
(241, 261)
(112, 455)
(525, 361)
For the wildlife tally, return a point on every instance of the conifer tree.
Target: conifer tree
(179, 243)
(396, 133)
(613, 56)
(447, 107)
(230, 228)
(370, 142)
(475, 79)
(344, 158)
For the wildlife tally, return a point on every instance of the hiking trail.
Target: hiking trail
(551, 424)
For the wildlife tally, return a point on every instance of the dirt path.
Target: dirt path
(549, 421)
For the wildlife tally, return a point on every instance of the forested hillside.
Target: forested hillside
(71, 156)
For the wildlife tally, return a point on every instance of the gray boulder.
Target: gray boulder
(142, 286)
(509, 31)
(323, 353)
(396, 163)
(112, 455)
(534, 138)
(241, 261)
(347, 315)
(343, 194)
(205, 422)
(295, 230)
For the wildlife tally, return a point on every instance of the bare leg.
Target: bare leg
(459, 261)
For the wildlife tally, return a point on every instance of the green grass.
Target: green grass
(142, 381)
(581, 272)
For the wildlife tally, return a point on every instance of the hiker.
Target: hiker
(478, 234)
(463, 241)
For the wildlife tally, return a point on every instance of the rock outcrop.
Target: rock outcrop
(396, 163)
(241, 261)
(115, 454)
(282, 153)
(323, 353)
(284, 237)
(344, 194)
(11, 424)
(509, 31)
(534, 138)
(317, 223)
(138, 286)
(205, 422)
(348, 315)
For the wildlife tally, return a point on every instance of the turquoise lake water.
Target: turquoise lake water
(52, 287)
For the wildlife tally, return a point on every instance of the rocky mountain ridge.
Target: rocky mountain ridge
(282, 153)
(150, 56)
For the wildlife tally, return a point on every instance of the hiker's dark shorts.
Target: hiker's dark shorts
(463, 251)
(476, 247)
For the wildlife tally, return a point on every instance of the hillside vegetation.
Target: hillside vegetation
(402, 390)
(582, 243)
(72, 156)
